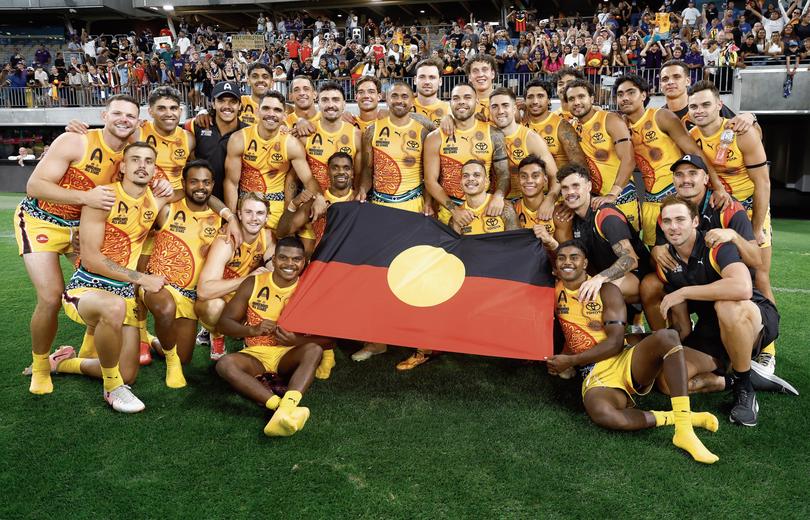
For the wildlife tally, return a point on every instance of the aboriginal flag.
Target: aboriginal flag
(397, 277)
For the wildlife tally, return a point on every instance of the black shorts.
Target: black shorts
(706, 335)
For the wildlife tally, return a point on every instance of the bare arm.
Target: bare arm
(500, 163)
(754, 155)
(735, 285)
(620, 134)
(570, 142)
(368, 156)
(212, 284)
(510, 219)
(44, 182)
(432, 168)
(233, 169)
(626, 261)
(427, 123)
(231, 321)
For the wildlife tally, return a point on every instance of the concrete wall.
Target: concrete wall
(759, 89)
(13, 176)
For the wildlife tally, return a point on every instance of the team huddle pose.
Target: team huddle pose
(211, 226)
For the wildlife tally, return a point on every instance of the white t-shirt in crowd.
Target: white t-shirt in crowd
(690, 15)
(574, 61)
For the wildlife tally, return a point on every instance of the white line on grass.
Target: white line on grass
(791, 290)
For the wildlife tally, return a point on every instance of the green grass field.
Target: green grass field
(460, 437)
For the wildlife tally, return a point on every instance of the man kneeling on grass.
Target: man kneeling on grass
(252, 314)
(614, 372)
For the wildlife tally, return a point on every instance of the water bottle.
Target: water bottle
(721, 154)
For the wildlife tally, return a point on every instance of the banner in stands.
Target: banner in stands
(247, 41)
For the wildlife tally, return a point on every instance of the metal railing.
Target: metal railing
(87, 96)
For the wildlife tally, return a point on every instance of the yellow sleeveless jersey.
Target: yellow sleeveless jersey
(182, 243)
(264, 162)
(581, 323)
(547, 129)
(482, 224)
(266, 302)
(528, 218)
(397, 156)
(600, 152)
(98, 166)
(455, 150)
(246, 257)
(321, 144)
(434, 112)
(734, 174)
(250, 111)
(127, 225)
(172, 153)
(516, 149)
(293, 118)
(655, 152)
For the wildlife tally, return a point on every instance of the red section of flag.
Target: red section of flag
(487, 316)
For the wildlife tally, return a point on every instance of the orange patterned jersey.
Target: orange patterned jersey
(517, 149)
(655, 152)
(733, 174)
(456, 149)
(264, 161)
(128, 222)
(434, 112)
(547, 128)
(481, 223)
(247, 257)
(528, 218)
(172, 152)
(397, 156)
(320, 145)
(581, 323)
(98, 166)
(600, 152)
(182, 243)
(266, 302)
(250, 111)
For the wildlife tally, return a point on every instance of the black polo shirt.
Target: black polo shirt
(212, 146)
(733, 217)
(600, 230)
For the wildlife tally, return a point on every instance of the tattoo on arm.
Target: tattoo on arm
(570, 143)
(133, 276)
(510, 220)
(500, 162)
(427, 123)
(623, 265)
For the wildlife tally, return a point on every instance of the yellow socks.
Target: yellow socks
(288, 418)
(327, 364)
(663, 418)
(112, 378)
(174, 369)
(770, 349)
(41, 375)
(88, 348)
(703, 420)
(273, 402)
(685, 437)
(70, 366)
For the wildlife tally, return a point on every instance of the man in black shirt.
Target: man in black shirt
(212, 141)
(616, 253)
(734, 320)
(729, 225)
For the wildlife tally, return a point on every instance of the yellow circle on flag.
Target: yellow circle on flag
(424, 276)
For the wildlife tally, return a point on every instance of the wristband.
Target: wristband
(292, 208)
(227, 212)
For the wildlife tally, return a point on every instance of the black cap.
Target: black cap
(226, 88)
(694, 160)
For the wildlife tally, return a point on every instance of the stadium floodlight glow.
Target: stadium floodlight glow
(168, 7)
(421, 11)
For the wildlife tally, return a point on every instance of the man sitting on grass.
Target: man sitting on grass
(253, 313)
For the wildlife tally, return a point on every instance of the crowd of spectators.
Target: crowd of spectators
(624, 36)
